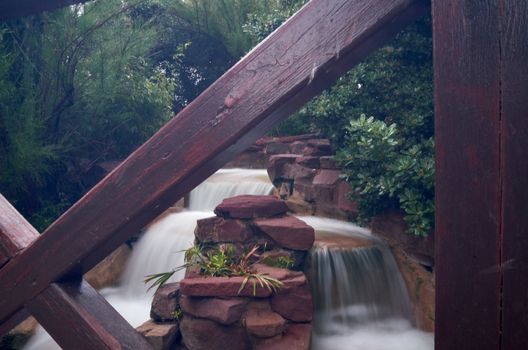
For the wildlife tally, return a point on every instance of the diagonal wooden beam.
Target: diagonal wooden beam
(74, 313)
(78, 317)
(304, 56)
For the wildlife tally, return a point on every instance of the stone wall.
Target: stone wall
(238, 311)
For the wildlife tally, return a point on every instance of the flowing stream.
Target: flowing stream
(359, 296)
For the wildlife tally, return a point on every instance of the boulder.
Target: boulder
(249, 206)
(160, 336)
(263, 323)
(109, 269)
(223, 311)
(218, 230)
(296, 337)
(202, 334)
(287, 231)
(222, 287)
(165, 302)
(294, 301)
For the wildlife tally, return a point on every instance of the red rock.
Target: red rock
(309, 162)
(296, 337)
(263, 323)
(277, 148)
(297, 147)
(218, 230)
(298, 172)
(294, 301)
(160, 336)
(221, 287)
(343, 203)
(223, 311)
(287, 231)
(304, 191)
(328, 162)
(202, 334)
(248, 207)
(275, 272)
(165, 302)
(277, 163)
(327, 177)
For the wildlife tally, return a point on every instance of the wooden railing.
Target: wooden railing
(42, 274)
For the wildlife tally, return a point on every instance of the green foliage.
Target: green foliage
(282, 262)
(389, 157)
(77, 86)
(220, 261)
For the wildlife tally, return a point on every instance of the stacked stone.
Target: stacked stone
(308, 177)
(216, 314)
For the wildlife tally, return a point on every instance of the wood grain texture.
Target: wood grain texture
(15, 232)
(17, 8)
(297, 61)
(13, 321)
(514, 131)
(467, 139)
(78, 317)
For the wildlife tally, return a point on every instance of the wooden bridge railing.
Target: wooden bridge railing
(304, 56)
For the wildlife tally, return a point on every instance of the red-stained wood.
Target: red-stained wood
(72, 312)
(18, 8)
(15, 232)
(296, 62)
(514, 131)
(467, 139)
(78, 317)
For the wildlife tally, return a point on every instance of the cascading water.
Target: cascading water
(360, 298)
(160, 248)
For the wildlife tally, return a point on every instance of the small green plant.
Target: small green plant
(221, 262)
(270, 283)
(177, 314)
(283, 262)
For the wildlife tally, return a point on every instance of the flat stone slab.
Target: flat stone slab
(294, 302)
(223, 311)
(263, 323)
(287, 231)
(249, 207)
(160, 336)
(222, 287)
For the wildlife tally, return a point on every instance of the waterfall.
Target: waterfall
(160, 248)
(360, 298)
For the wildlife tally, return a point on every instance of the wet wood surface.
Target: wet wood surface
(300, 59)
(514, 167)
(468, 196)
(78, 317)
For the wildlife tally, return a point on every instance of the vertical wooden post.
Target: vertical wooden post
(481, 98)
(468, 214)
(514, 147)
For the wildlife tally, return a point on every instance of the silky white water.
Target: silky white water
(160, 248)
(360, 299)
